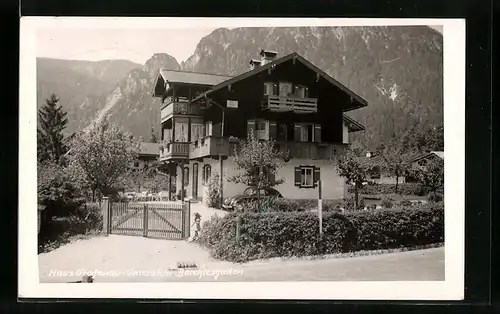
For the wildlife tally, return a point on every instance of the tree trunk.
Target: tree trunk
(397, 181)
(93, 195)
(356, 196)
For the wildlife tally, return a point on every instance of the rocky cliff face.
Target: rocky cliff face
(131, 105)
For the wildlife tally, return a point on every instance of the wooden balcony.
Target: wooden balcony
(179, 108)
(209, 146)
(290, 104)
(310, 150)
(174, 150)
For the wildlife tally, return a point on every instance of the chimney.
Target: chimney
(254, 63)
(267, 56)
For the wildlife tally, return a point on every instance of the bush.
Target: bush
(387, 202)
(384, 188)
(85, 220)
(405, 203)
(435, 197)
(213, 194)
(272, 204)
(350, 204)
(271, 234)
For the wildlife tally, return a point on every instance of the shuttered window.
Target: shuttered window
(306, 176)
(273, 130)
(317, 133)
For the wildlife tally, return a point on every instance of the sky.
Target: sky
(137, 45)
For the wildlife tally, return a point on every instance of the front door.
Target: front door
(195, 180)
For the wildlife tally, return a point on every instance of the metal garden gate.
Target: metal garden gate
(169, 220)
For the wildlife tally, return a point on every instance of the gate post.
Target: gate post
(145, 221)
(186, 213)
(106, 219)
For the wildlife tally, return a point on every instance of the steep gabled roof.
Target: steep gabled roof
(297, 57)
(420, 156)
(185, 77)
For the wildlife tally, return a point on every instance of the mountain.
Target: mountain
(130, 104)
(82, 86)
(398, 70)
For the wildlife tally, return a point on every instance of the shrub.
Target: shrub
(387, 202)
(272, 204)
(272, 234)
(85, 220)
(405, 203)
(384, 188)
(372, 207)
(435, 197)
(213, 193)
(350, 204)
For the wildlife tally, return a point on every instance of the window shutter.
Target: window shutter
(317, 133)
(251, 127)
(316, 175)
(298, 176)
(273, 130)
(297, 132)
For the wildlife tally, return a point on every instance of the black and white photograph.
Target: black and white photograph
(242, 158)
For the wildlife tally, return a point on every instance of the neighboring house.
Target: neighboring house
(376, 171)
(287, 99)
(420, 160)
(148, 152)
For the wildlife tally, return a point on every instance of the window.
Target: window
(300, 91)
(197, 130)
(270, 89)
(285, 89)
(207, 172)
(304, 132)
(307, 176)
(260, 126)
(136, 164)
(375, 173)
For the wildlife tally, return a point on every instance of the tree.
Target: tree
(103, 155)
(152, 137)
(351, 167)
(257, 163)
(395, 156)
(51, 123)
(431, 176)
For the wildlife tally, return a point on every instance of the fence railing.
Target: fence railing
(288, 103)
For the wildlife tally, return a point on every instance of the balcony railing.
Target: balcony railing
(173, 150)
(209, 146)
(181, 108)
(310, 150)
(289, 103)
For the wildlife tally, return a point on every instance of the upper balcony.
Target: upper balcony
(174, 150)
(290, 104)
(209, 146)
(180, 107)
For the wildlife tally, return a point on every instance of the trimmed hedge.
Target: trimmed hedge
(384, 188)
(287, 234)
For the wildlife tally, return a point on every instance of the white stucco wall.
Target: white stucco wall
(345, 133)
(333, 185)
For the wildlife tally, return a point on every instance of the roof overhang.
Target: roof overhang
(353, 125)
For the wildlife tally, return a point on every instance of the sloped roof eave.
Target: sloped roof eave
(363, 103)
